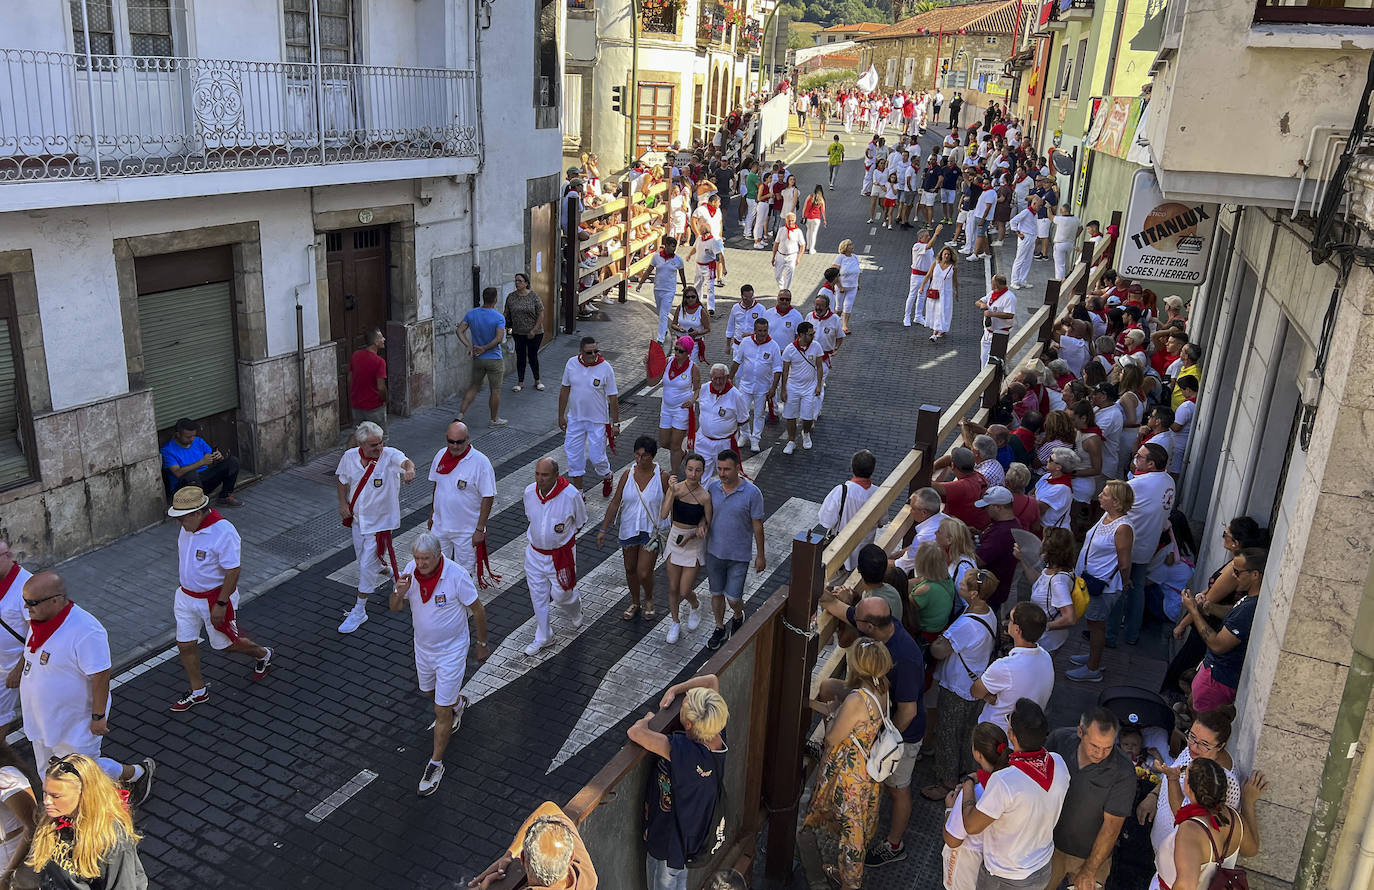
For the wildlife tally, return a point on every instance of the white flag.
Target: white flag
(868, 81)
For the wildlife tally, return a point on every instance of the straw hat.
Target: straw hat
(187, 500)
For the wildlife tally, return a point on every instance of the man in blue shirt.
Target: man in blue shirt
(1218, 679)
(188, 460)
(736, 524)
(482, 331)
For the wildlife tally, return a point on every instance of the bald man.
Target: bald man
(547, 851)
(464, 490)
(556, 511)
(13, 577)
(65, 685)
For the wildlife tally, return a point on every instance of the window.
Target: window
(336, 31)
(990, 41)
(572, 108)
(891, 77)
(1078, 65)
(908, 71)
(547, 77)
(123, 27)
(830, 39)
(655, 118)
(1317, 12)
(16, 423)
(1063, 64)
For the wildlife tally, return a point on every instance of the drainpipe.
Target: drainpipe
(476, 61)
(90, 89)
(1345, 741)
(300, 351)
(633, 98)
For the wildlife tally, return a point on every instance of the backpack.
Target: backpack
(715, 834)
(886, 751)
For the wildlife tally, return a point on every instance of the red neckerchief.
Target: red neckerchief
(599, 359)
(429, 582)
(448, 463)
(8, 581)
(1060, 480)
(557, 489)
(792, 227)
(1195, 811)
(826, 285)
(711, 210)
(780, 313)
(1093, 429)
(862, 483)
(729, 385)
(983, 776)
(210, 519)
(674, 371)
(796, 341)
(819, 317)
(1065, 380)
(665, 255)
(758, 342)
(1039, 765)
(39, 631)
(1193, 400)
(997, 295)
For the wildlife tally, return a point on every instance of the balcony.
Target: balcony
(1321, 12)
(659, 17)
(1075, 10)
(139, 116)
(716, 25)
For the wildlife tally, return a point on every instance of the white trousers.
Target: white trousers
(751, 216)
(783, 267)
(813, 230)
(985, 347)
(1025, 249)
(545, 592)
(916, 297)
(758, 405)
(458, 547)
(665, 313)
(705, 283)
(761, 222)
(709, 447)
(586, 438)
(844, 299)
(370, 564)
(1063, 251)
(42, 754)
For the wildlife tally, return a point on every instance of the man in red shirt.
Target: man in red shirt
(367, 381)
(961, 492)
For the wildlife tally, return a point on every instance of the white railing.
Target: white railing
(144, 115)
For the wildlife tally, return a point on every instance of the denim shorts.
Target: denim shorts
(639, 539)
(726, 577)
(1099, 607)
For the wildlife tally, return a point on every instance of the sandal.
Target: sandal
(539, 386)
(631, 612)
(937, 791)
(649, 613)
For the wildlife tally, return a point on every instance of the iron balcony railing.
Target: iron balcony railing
(123, 116)
(1315, 12)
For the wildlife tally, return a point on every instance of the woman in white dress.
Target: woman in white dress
(1208, 833)
(791, 195)
(677, 214)
(638, 500)
(940, 286)
(848, 288)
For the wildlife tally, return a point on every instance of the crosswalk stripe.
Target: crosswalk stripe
(652, 663)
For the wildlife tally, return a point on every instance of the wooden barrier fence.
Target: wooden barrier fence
(630, 213)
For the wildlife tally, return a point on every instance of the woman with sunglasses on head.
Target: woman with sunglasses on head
(85, 838)
(1207, 737)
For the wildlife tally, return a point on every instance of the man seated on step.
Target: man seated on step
(188, 460)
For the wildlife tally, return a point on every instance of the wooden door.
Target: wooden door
(544, 262)
(359, 295)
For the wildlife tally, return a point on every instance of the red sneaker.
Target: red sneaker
(190, 700)
(261, 666)
(606, 487)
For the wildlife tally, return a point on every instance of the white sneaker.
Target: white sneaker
(806, 440)
(430, 779)
(352, 621)
(578, 617)
(867, 221)
(533, 648)
(997, 244)
(906, 322)
(789, 448)
(674, 631)
(754, 445)
(693, 617)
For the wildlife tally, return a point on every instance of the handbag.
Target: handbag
(1092, 585)
(656, 538)
(886, 751)
(839, 523)
(1080, 597)
(1226, 878)
(932, 295)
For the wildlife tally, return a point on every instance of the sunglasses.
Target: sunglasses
(593, 352)
(456, 441)
(678, 349)
(29, 604)
(59, 765)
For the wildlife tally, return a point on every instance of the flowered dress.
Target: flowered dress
(845, 802)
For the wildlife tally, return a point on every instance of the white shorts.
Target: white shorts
(801, 405)
(671, 418)
(1042, 228)
(928, 199)
(963, 216)
(442, 676)
(192, 614)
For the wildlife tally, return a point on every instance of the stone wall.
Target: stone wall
(269, 408)
(99, 479)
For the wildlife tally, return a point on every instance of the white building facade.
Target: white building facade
(205, 207)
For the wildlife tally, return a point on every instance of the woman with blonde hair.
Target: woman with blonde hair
(1104, 564)
(845, 802)
(85, 837)
(955, 538)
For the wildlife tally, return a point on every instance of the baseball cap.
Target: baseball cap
(1113, 300)
(574, 171)
(996, 494)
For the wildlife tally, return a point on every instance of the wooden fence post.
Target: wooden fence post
(1110, 255)
(1052, 301)
(625, 249)
(1081, 288)
(927, 431)
(791, 703)
(570, 264)
(998, 358)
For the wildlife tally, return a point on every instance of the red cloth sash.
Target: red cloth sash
(485, 576)
(39, 631)
(610, 438)
(357, 492)
(564, 562)
(229, 626)
(1039, 765)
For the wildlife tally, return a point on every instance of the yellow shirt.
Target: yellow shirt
(836, 154)
(1178, 397)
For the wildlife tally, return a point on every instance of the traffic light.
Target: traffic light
(944, 66)
(618, 100)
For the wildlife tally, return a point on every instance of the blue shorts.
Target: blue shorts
(726, 577)
(1100, 607)
(637, 540)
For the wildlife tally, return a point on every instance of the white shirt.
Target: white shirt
(1066, 229)
(782, 329)
(983, 209)
(854, 496)
(1184, 418)
(849, 270)
(378, 507)
(1058, 498)
(801, 379)
(714, 221)
(1074, 352)
(1021, 673)
(922, 255)
(829, 330)
(1021, 841)
(790, 243)
(665, 275)
(12, 782)
(1004, 303)
(1154, 499)
(55, 688)
(1111, 420)
(710, 250)
(553, 521)
(758, 362)
(741, 322)
(458, 493)
(969, 636)
(719, 416)
(589, 390)
(441, 625)
(205, 556)
(1023, 223)
(16, 616)
(1053, 593)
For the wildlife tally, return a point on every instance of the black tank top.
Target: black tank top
(687, 513)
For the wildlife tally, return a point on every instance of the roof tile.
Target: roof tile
(996, 17)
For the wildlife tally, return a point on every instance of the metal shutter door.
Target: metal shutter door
(13, 464)
(188, 351)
